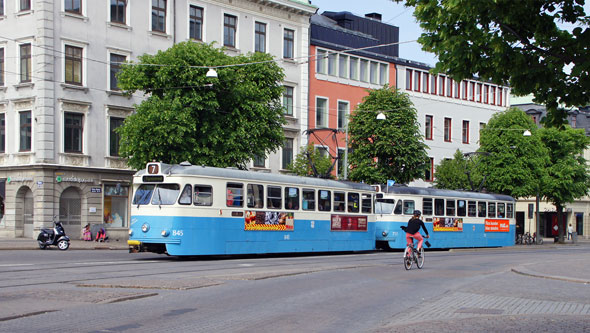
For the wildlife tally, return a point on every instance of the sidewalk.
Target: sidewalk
(75, 244)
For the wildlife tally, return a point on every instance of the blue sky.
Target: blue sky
(394, 14)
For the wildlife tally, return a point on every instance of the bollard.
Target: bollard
(574, 236)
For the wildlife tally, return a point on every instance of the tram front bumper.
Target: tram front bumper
(134, 246)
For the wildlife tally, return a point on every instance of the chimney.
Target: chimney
(374, 16)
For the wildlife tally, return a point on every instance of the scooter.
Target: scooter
(57, 236)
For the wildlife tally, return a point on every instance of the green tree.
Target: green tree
(392, 148)
(514, 163)
(568, 176)
(519, 42)
(186, 116)
(310, 158)
(458, 173)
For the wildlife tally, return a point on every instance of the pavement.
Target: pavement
(579, 273)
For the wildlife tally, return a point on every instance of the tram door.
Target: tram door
(28, 214)
(70, 208)
(519, 223)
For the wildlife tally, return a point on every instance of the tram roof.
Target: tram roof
(428, 191)
(195, 170)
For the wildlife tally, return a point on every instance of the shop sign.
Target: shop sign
(40, 184)
(19, 179)
(61, 179)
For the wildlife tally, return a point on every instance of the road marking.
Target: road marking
(15, 265)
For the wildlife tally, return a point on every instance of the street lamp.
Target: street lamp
(211, 73)
(380, 116)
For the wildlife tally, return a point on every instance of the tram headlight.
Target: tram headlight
(145, 227)
(384, 233)
(165, 233)
(130, 232)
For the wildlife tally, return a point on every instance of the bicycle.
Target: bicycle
(410, 256)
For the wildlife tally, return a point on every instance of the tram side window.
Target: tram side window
(353, 202)
(203, 195)
(501, 210)
(165, 194)
(308, 200)
(481, 209)
(366, 204)
(509, 210)
(273, 197)
(384, 206)
(339, 201)
(439, 207)
(491, 209)
(427, 206)
(409, 207)
(325, 201)
(471, 208)
(143, 194)
(450, 207)
(291, 198)
(255, 196)
(186, 195)
(235, 194)
(398, 207)
(461, 208)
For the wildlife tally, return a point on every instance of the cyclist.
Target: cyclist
(413, 230)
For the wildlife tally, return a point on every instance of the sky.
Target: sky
(392, 13)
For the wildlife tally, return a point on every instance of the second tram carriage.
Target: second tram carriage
(194, 210)
(453, 218)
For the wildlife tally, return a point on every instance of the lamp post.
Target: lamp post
(380, 116)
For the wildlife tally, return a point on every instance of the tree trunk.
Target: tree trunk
(560, 223)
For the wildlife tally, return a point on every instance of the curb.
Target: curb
(526, 272)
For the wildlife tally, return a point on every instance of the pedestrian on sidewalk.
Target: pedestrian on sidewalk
(570, 231)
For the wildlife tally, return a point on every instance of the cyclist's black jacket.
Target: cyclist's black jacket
(414, 225)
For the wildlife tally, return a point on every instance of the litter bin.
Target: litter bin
(574, 237)
(555, 239)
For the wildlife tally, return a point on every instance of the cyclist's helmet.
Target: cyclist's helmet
(417, 213)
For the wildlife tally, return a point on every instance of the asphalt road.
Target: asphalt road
(469, 290)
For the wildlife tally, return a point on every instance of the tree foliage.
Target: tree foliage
(519, 42)
(515, 164)
(386, 149)
(186, 116)
(458, 173)
(310, 158)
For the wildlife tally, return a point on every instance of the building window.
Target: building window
(73, 132)
(25, 131)
(259, 161)
(472, 91)
(259, 37)
(432, 84)
(2, 132)
(73, 6)
(486, 93)
(408, 79)
(441, 85)
(428, 128)
(373, 72)
(482, 126)
(321, 112)
(24, 5)
(425, 82)
(493, 95)
(289, 44)
(159, 15)
(115, 205)
(364, 70)
(354, 69)
(429, 174)
(478, 93)
(1, 65)
(465, 131)
(343, 108)
(1, 13)
(457, 86)
(343, 66)
(287, 153)
(500, 96)
(116, 61)
(25, 63)
(332, 63)
(417, 76)
(465, 89)
(229, 30)
(383, 74)
(114, 137)
(288, 100)
(448, 129)
(195, 20)
(119, 11)
(574, 121)
(449, 87)
(73, 70)
(321, 61)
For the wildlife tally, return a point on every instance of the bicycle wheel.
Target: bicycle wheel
(408, 258)
(420, 258)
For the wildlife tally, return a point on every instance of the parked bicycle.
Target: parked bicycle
(411, 255)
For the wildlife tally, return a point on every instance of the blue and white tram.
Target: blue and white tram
(193, 210)
(453, 218)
